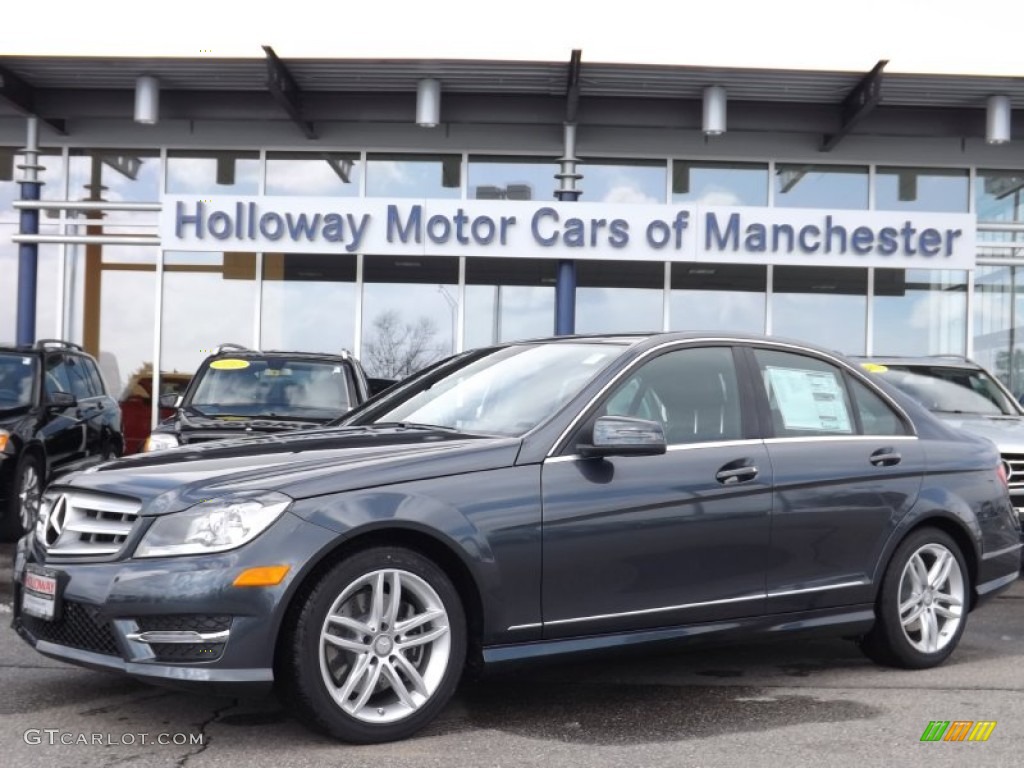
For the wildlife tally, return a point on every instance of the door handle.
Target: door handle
(885, 457)
(737, 475)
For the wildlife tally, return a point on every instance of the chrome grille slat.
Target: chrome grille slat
(1015, 470)
(84, 524)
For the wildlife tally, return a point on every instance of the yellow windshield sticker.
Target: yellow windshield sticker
(874, 367)
(229, 364)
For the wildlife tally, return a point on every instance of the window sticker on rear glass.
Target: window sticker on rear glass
(229, 364)
(810, 400)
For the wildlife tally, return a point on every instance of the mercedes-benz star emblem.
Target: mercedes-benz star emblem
(55, 521)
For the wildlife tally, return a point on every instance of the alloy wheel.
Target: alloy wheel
(385, 646)
(931, 598)
(28, 496)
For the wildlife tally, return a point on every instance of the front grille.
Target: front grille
(1014, 463)
(83, 524)
(186, 623)
(80, 626)
(187, 651)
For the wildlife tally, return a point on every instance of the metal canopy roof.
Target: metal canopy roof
(509, 77)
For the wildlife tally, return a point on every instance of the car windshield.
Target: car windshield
(275, 387)
(507, 391)
(17, 375)
(945, 389)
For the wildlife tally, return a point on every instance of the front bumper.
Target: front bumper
(175, 621)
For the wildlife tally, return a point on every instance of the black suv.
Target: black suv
(55, 415)
(238, 392)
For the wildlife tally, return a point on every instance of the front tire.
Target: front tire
(378, 646)
(23, 505)
(923, 603)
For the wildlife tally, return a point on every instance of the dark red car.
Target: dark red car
(137, 403)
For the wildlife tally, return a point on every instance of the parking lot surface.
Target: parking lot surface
(785, 703)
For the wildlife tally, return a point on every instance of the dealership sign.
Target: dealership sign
(569, 230)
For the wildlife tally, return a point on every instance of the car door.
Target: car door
(847, 467)
(63, 431)
(643, 541)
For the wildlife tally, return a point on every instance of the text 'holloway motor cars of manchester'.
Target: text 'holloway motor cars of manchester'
(522, 501)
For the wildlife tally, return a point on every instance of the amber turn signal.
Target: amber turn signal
(264, 576)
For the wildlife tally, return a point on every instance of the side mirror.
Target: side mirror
(170, 400)
(61, 400)
(623, 436)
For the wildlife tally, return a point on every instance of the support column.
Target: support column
(28, 224)
(565, 280)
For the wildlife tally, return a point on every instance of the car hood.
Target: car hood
(1007, 432)
(298, 464)
(188, 423)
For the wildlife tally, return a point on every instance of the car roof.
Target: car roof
(264, 353)
(942, 361)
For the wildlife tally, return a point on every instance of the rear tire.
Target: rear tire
(378, 646)
(23, 504)
(922, 606)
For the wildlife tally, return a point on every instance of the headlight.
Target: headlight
(216, 525)
(4, 437)
(159, 441)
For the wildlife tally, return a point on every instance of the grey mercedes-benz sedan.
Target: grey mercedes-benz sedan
(519, 502)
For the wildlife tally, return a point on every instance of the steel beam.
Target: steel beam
(857, 105)
(286, 92)
(22, 97)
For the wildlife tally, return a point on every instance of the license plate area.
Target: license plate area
(41, 591)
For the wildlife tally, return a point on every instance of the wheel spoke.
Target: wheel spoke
(913, 615)
(395, 599)
(417, 621)
(914, 601)
(952, 612)
(929, 631)
(426, 637)
(368, 687)
(940, 569)
(347, 645)
(377, 603)
(355, 674)
(412, 673)
(918, 573)
(350, 624)
(399, 687)
(950, 599)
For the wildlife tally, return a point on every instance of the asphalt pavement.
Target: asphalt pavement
(784, 703)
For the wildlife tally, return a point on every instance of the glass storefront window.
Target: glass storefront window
(329, 174)
(940, 190)
(718, 297)
(508, 299)
(425, 176)
(821, 305)
(928, 307)
(8, 284)
(221, 172)
(719, 183)
(113, 175)
(619, 296)
(309, 302)
(208, 299)
(110, 299)
(806, 185)
(998, 307)
(999, 197)
(622, 181)
(512, 178)
(410, 312)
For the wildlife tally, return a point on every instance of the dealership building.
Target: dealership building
(407, 209)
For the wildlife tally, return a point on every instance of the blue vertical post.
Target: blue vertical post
(565, 278)
(28, 253)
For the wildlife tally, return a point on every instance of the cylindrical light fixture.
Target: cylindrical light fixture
(997, 119)
(428, 103)
(715, 102)
(147, 100)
